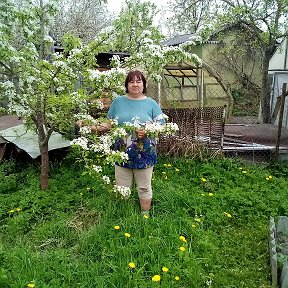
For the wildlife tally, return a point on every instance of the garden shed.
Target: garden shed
(185, 85)
(278, 75)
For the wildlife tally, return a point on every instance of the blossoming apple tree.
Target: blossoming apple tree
(51, 91)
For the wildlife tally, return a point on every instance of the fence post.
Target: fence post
(280, 120)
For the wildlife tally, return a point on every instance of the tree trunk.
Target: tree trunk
(265, 94)
(44, 165)
(43, 147)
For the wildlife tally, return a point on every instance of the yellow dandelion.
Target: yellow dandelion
(18, 209)
(127, 235)
(227, 214)
(182, 238)
(182, 248)
(177, 170)
(116, 227)
(11, 211)
(165, 269)
(210, 194)
(145, 216)
(177, 278)
(156, 278)
(244, 171)
(165, 165)
(88, 188)
(31, 285)
(267, 178)
(270, 177)
(131, 265)
(203, 180)
(169, 165)
(198, 220)
(193, 225)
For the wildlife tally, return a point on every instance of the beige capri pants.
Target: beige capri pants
(124, 177)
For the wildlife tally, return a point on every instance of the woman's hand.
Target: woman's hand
(141, 133)
(100, 128)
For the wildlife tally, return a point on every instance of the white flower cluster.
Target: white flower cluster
(48, 39)
(81, 141)
(119, 132)
(96, 168)
(93, 74)
(115, 61)
(124, 191)
(106, 179)
(103, 146)
(85, 130)
(171, 128)
(99, 104)
(153, 128)
(124, 156)
(87, 117)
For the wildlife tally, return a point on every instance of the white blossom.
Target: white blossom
(171, 128)
(124, 191)
(119, 133)
(48, 39)
(106, 179)
(81, 141)
(99, 104)
(85, 130)
(98, 169)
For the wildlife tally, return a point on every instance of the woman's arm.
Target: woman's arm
(101, 128)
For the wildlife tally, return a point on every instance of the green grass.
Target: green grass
(65, 236)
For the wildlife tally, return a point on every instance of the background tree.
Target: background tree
(189, 16)
(266, 22)
(133, 26)
(237, 57)
(84, 19)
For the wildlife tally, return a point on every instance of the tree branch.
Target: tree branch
(6, 67)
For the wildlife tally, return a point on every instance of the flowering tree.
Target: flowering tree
(83, 19)
(40, 85)
(131, 27)
(51, 91)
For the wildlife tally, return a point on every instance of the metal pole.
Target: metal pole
(280, 120)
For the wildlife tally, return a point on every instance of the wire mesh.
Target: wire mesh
(243, 134)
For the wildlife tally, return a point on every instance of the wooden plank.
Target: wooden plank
(272, 251)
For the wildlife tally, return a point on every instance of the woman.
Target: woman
(137, 109)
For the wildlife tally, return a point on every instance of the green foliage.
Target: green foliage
(65, 235)
(70, 42)
(189, 16)
(244, 103)
(134, 25)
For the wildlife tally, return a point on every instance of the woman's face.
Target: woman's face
(135, 86)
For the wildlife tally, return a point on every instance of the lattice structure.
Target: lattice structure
(197, 126)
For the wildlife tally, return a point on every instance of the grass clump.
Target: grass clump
(208, 227)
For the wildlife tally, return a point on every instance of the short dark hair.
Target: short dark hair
(135, 74)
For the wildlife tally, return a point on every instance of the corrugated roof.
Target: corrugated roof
(179, 39)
